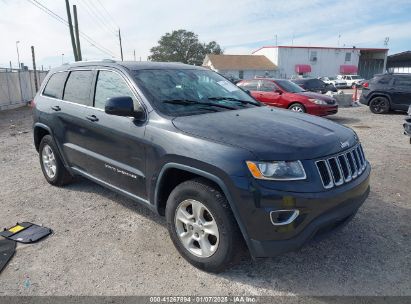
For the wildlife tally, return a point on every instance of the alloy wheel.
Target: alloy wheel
(379, 105)
(49, 161)
(297, 108)
(196, 228)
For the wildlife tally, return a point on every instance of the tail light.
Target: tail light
(365, 85)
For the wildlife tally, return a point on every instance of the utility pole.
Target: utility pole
(34, 68)
(18, 54)
(77, 33)
(134, 53)
(11, 67)
(73, 42)
(121, 47)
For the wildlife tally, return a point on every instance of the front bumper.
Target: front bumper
(318, 213)
(322, 110)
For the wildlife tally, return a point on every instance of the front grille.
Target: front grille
(342, 168)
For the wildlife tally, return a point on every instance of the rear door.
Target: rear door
(267, 93)
(252, 86)
(401, 92)
(72, 129)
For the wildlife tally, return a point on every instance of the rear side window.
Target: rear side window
(78, 87)
(250, 85)
(110, 84)
(267, 86)
(54, 87)
(403, 81)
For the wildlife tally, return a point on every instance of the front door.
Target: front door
(116, 143)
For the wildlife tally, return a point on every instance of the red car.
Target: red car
(283, 93)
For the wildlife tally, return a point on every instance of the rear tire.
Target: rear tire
(379, 105)
(202, 226)
(51, 164)
(297, 107)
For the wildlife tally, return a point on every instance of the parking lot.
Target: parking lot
(105, 244)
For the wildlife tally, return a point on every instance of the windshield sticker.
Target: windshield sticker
(228, 86)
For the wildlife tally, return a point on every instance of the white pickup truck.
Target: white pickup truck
(351, 80)
(338, 83)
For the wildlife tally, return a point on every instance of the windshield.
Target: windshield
(355, 77)
(178, 92)
(331, 78)
(289, 86)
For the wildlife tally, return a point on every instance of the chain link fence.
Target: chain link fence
(17, 87)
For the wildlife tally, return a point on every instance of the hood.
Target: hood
(271, 134)
(326, 98)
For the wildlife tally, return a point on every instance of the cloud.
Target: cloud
(239, 27)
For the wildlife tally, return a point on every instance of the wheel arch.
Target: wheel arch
(379, 94)
(40, 130)
(163, 189)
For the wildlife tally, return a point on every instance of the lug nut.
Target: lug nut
(196, 234)
(191, 227)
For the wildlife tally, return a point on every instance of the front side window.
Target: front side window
(289, 86)
(78, 87)
(110, 84)
(54, 87)
(178, 92)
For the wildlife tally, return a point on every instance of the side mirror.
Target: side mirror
(278, 91)
(248, 92)
(121, 106)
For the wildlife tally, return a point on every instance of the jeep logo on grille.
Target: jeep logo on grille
(344, 144)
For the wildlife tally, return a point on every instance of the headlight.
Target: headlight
(317, 101)
(277, 170)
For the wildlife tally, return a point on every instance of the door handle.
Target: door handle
(56, 108)
(92, 118)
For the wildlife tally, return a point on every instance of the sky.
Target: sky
(239, 26)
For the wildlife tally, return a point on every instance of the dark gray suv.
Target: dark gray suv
(226, 171)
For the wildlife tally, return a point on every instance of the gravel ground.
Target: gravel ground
(104, 244)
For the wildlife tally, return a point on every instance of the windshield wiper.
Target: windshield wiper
(188, 102)
(235, 99)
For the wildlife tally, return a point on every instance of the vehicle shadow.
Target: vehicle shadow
(364, 258)
(84, 185)
(344, 120)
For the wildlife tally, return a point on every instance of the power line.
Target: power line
(96, 18)
(108, 14)
(63, 21)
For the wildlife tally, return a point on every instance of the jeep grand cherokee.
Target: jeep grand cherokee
(224, 169)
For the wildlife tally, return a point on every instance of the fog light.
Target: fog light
(283, 217)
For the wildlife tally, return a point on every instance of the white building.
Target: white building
(240, 66)
(317, 61)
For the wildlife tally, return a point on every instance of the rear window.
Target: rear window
(54, 87)
(78, 87)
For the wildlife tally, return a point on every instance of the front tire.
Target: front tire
(202, 226)
(297, 107)
(51, 164)
(379, 105)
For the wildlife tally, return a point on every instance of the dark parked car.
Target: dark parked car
(283, 93)
(407, 124)
(224, 169)
(387, 92)
(315, 85)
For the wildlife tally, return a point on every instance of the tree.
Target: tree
(183, 46)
